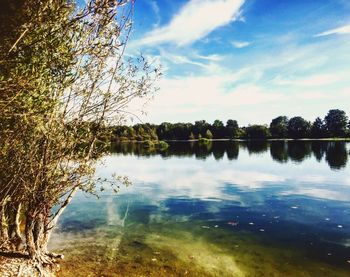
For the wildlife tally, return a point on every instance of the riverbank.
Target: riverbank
(242, 139)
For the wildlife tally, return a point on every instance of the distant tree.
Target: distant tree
(318, 129)
(336, 122)
(164, 131)
(218, 129)
(200, 127)
(208, 134)
(257, 132)
(232, 129)
(298, 127)
(279, 127)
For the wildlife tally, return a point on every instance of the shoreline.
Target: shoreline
(270, 139)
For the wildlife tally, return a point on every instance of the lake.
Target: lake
(219, 209)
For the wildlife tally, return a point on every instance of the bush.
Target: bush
(162, 145)
(148, 144)
(204, 141)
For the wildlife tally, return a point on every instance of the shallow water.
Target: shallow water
(223, 209)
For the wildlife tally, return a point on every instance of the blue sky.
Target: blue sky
(249, 60)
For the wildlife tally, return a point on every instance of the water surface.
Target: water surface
(222, 209)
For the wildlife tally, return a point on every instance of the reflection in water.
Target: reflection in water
(281, 151)
(279, 208)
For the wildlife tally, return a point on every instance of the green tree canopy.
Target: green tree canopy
(279, 127)
(336, 123)
(298, 127)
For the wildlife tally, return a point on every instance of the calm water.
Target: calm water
(223, 209)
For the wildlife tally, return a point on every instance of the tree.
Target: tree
(257, 132)
(336, 122)
(218, 129)
(318, 129)
(200, 127)
(63, 81)
(279, 127)
(232, 129)
(208, 134)
(298, 127)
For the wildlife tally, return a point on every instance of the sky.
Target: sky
(249, 60)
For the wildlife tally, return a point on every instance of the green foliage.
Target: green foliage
(257, 132)
(336, 123)
(161, 145)
(148, 144)
(63, 82)
(298, 127)
(232, 129)
(218, 129)
(318, 128)
(208, 134)
(204, 141)
(279, 127)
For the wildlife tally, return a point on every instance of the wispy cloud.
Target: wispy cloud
(212, 58)
(240, 44)
(194, 21)
(337, 31)
(155, 8)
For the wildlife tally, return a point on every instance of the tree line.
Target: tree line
(334, 125)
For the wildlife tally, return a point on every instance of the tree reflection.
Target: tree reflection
(298, 151)
(257, 146)
(278, 151)
(319, 148)
(232, 150)
(336, 153)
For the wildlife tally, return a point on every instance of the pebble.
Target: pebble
(348, 261)
(340, 226)
(327, 219)
(216, 226)
(261, 230)
(275, 217)
(294, 207)
(154, 260)
(251, 223)
(329, 254)
(205, 227)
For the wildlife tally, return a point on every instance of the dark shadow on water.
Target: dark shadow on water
(336, 153)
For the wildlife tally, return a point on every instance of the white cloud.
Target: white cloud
(195, 20)
(212, 58)
(201, 94)
(179, 59)
(240, 44)
(337, 31)
(320, 193)
(317, 80)
(155, 8)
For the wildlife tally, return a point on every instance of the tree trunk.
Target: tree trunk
(4, 234)
(30, 240)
